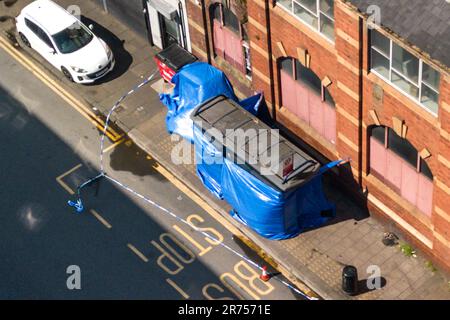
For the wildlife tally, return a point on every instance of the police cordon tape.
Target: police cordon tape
(79, 207)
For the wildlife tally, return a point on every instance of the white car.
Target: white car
(64, 41)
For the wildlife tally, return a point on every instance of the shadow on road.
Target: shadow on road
(130, 158)
(49, 236)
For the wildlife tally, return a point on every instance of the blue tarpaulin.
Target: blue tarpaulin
(194, 84)
(272, 213)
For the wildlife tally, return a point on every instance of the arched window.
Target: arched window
(397, 163)
(228, 38)
(303, 94)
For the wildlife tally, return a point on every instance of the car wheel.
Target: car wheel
(67, 74)
(24, 40)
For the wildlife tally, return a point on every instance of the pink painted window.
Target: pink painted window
(392, 159)
(233, 48)
(301, 94)
(425, 194)
(410, 182)
(302, 101)
(394, 170)
(329, 122)
(228, 41)
(316, 112)
(378, 157)
(218, 38)
(288, 92)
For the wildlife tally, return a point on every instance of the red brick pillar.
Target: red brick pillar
(348, 45)
(441, 190)
(260, 49)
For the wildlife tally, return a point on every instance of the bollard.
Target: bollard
(350, 280)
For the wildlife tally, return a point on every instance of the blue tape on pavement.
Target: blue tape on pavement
(78, 205)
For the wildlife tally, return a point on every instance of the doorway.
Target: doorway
(167, 23)
(169, 30)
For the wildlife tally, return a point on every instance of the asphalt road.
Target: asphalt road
(123, 247)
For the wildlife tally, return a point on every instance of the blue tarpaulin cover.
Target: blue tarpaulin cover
(272, 213)
(194, 84)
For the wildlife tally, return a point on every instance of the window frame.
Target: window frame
(222, 20)
(321, 92)
(419, 161)
(420, 81)
(290, 70)
(316, 15)
(247, 66)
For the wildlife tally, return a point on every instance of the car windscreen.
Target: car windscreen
(72, 38)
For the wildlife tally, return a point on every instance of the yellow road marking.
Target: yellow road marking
(55, 87)
(63, 184)
(101, 219)
(202, 249)
(230, 227)
(176, 287)
(137, 252)
(106, 150)
(202, 203)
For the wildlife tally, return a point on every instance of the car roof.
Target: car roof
(49, 15)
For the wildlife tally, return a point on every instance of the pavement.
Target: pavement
(313, 260)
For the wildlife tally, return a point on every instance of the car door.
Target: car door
(49, 51)
(41, 42)
(31, 34)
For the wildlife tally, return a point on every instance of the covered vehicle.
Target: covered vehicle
(194, 84)
(273, 186)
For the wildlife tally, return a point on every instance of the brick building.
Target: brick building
(362, 79)
(351, 87)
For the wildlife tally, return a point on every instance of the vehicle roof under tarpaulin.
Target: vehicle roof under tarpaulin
(273, 209)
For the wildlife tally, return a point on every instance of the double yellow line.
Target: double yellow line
(84, 110)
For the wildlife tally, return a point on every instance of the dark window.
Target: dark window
(308, 77)
(425, 169)
(245, 32)
(402, 148)
(39, 32)
(32, 26)
(286, 66)
(216, 13)
(44, 37)
(230, 20)
(379, 133)
(414, 183)
(72, 38)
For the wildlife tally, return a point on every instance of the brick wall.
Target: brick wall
(199, 33)
(275, 33)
